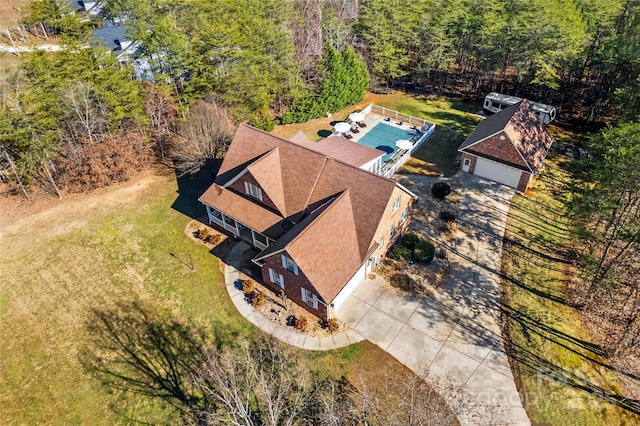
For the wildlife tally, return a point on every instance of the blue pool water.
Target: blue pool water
(383, 137)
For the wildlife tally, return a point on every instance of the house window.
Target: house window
(392, 232)
(253, 190)
(405, 214)
(230, 221)
(309, 298)
(276, 278)
(289, 264)
(467, 161)
(396, 205)
(261, 238)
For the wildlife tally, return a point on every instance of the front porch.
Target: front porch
(238, 229)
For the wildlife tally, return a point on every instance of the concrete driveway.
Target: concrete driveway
(455, 334)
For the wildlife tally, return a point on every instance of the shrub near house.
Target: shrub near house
(413, 248)
(321, 223)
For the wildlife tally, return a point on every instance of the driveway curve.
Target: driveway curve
(454, 335)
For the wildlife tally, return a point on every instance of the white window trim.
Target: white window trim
(285, 264)
(276, 278)
(396, 205)
(405, 213)
(305, 298)
(392, 231)
(253, 190)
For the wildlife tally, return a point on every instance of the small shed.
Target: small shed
(508, 147)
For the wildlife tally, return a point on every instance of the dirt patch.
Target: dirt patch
(18, 212)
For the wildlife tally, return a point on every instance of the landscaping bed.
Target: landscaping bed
(271, 305)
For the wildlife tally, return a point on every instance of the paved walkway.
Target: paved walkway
(285, 334)
(453, 335)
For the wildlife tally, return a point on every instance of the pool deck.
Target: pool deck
(391, 160)
(372, 120)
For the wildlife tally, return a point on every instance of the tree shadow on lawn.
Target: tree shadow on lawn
(480, 298)
(192, 186)
(134, 346)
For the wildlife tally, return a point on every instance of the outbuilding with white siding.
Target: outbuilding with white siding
(508, 147)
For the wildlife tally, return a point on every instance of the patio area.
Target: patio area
(383, 128)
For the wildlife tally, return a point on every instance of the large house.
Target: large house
(508, 147)
(319, 216)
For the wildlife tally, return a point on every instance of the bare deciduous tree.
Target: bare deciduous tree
(203, 135)
(161, 112)
(87, 113)
(258, 383)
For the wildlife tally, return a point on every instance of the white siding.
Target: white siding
(344, 294)
(492, 170)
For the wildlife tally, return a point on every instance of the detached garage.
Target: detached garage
(508, 147)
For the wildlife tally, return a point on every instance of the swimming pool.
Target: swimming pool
(383, 137)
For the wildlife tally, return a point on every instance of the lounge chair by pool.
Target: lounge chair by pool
(387, 119)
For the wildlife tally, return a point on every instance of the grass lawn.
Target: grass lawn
(549, 340)
(56, 265)
(454, 120)
(88, 251)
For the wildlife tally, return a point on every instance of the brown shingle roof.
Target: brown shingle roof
(266, 171)
(525, 131)
(369, 193)
(297, 172)
(327, 249)
(529, 135)
(332, 244)
(339, 148)
(246, 211)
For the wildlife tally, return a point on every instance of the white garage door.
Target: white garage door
(353, 283)
(497, 172)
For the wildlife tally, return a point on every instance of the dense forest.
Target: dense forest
(78, 117)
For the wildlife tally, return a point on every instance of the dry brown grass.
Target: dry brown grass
(10, 13)
(79, 253)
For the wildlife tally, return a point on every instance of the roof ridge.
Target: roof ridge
(313, 188)
(315, 152)
(344, 193)
(513, 144)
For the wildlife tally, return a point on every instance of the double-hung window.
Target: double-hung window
(276, 278)
(309, 298)
(253, 190)
(392, 231)
(289, 264)
(396, 205)
(405, 214)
